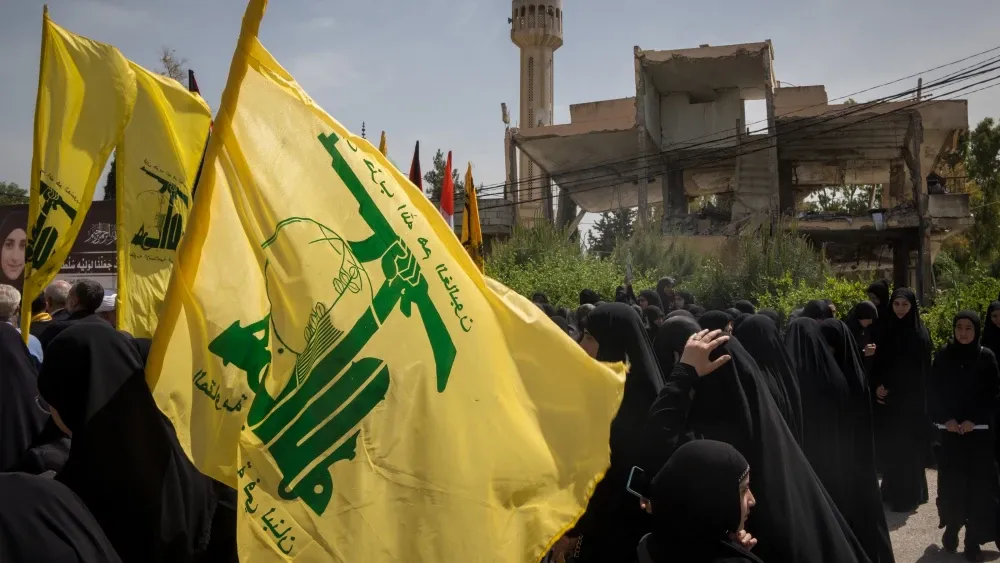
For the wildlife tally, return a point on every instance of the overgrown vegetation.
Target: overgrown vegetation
(772, 265)
(545, 259)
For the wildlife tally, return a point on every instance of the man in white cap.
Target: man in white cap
(107, 309)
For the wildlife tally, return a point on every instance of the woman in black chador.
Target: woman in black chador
(963, 392)
(899, 377)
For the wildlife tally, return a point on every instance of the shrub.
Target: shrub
(789, 296)
(544, 259)
(757, 262)
(655, 256)
(975, 295)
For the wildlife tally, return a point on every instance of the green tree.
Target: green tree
(611, 227)
(173, 66)
(982, 163)
(12, 194)
(435, 176)
(852, 199)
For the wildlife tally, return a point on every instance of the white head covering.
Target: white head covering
(108, 304)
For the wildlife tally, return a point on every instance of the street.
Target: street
(917, 539)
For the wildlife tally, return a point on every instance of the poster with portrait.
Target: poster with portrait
(93, 255)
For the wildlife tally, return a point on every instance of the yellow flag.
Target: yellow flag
(157, 162)
(472, 230)
(86, 92)
(329, 349)
(382, 148)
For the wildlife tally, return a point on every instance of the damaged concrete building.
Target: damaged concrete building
(684, 138)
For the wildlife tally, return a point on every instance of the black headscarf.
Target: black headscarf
(652, 316)
(680, 313)
(794, 519)
(651, 297)
(613, 523)
(964, 380)
(670, 340)
(880, 289)
(564, 325)
(697, 311)
(621, 296)
(42, 521)
(696, 505)
(125, 461)
(773, 315)
(715, 320)
(865, 310)
(21, 420)
(686, 296)
(539, 298)
(733, 312)
(817, 309)
(845, 352)
(760, 337)
(745, 306)
(991, 332)
(739, 320)
(664, 288)
(861, 504)
(589, 297)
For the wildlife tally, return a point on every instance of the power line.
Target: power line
(846, 111)
(808, 123)
(906, 108)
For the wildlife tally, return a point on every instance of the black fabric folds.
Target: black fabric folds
(902, 365)
(760, 337)
(862, 505)
(795, 519)
(964, 386)
(21, 420)
(613, 523)
(745, 306)
(42, 521)
(991, 332)
(817, 309)
(125, 462)
(715, 320)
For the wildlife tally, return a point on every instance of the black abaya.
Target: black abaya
(125, 462)
(760, 337)
(696, 503)
(902, 365)
(964, 386)
(614, 523)
(795, 519)
(42, 521)
(21, 420)
(862, 507)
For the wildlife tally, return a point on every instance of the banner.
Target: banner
(157, 164)
(328, 348)
(86, 92)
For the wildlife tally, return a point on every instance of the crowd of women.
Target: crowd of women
(829, 422)
(740, 438)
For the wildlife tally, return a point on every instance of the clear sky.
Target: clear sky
(437, 70)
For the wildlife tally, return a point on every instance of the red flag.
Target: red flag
(415, 175)
(448, 195)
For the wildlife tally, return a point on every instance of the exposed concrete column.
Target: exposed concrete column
(772, 129)
(641, 84)
(677, 203)
(896, 192)
(786, 186)
(901, 263)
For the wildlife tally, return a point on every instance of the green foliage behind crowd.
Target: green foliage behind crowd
(776, 269)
